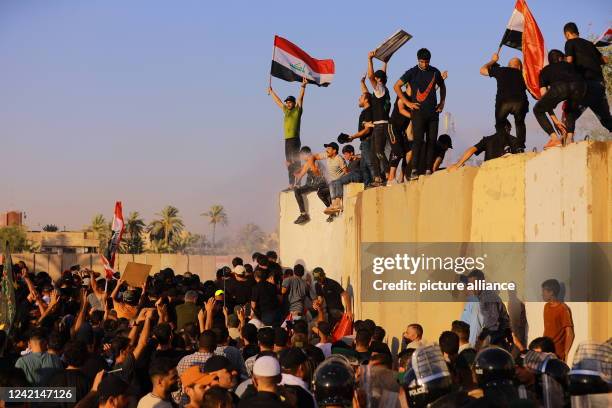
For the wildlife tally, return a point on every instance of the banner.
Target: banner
(385, 51)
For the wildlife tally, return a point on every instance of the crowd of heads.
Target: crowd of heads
(123, 347)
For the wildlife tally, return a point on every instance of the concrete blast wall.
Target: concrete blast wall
(560, 195)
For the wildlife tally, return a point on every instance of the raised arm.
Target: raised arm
(275, 97)
(371, 69)
(81, 316)
(300, 100)
(348, 306)
(144, 335)
(466, 155)
(364, 87)
(484, 70)
(116, 290)
(210, 304)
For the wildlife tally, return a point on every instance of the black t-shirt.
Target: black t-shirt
(439, 151)
(264, 294)
(494, 146)
(240, 291)
(510, 83)
(365, 116)
(330, 291)
(262, 399)
(399, 121)
(381, 106)
(586, 58)
(69, 378)
(423, 85)
(558, 72)
(354, 166)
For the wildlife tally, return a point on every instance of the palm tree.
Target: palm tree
(102, 228)
(134, 225)
(184, 243)
(216, 215)
(167, 226)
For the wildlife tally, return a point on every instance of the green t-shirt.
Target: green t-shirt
(292, 121)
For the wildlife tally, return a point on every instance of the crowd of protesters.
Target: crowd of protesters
(263, 335)
(406, 131)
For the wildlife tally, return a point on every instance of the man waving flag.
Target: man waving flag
(291, 63)
(524, 34)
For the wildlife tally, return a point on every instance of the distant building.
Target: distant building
(65, 242)
(11, 219)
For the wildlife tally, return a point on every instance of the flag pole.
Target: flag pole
(273, 55)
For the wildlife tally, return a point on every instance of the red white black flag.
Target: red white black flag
(108, 259)
(524, 34)
(291, 63)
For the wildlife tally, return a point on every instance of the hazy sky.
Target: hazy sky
(164, 102)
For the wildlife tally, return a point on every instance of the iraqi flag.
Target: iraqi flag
(291, 63)
(108, 259)
(605, 39)
(524, 34)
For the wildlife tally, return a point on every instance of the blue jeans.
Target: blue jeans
(366, 164)
(336, 186)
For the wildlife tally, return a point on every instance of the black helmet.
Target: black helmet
(493, 364)
(334, 382)
(428, 378)
(591, 372)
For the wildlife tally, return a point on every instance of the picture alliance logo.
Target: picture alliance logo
(412, 264)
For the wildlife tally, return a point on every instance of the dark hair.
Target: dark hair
(369, 325)
(379, 347)
(555, 56)
(546, 344)
(348, 149)
(324, 328)
(237, 261)
(462, 329)
(383, 359)
(368, 97)
(249, 332)
(379, 334)
(272, 254)
(75, 353)
(281, 337)
(305, 150)
(118, 344)
(298, 270)
(300, 326)
(163, 333)
(571, 28)
(418, 328)
(161, 367)
(382, 75)
(449, 342)
(404, 357)
(37, 334)
(477, 274)
(56, 341)
(208, 341)
(363, 337)
(216, 397)
(256, 256)
(248, 268)
(552, 285)
(221, 334)
(265, 337)
(423, 54)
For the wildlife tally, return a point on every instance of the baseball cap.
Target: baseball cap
(112, 386)
(333, 145)
(216, 363)
(239, 270)
(446, 139)
(290, 98)
(219, 292)
(266, 366)
(193, 375)
(292, 357)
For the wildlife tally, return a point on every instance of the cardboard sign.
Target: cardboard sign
(391, 44)
(135, 274)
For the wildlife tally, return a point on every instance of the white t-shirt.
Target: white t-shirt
(151, 401)
(326, 348)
